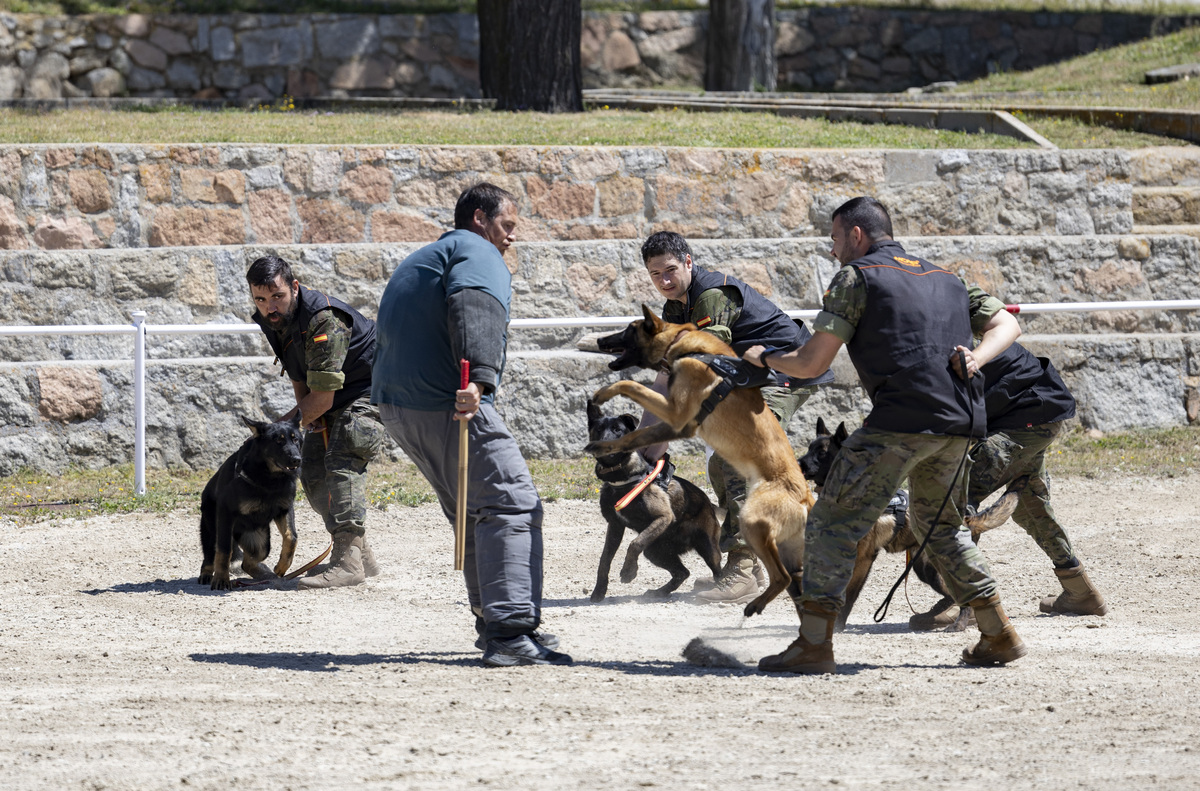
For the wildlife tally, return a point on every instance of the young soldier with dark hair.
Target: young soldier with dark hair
(737, 314)
(326, 348)
(445, 302)
(904, 322)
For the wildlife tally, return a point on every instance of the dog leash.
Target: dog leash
(293, 574)
(641, 487)
(881, 613)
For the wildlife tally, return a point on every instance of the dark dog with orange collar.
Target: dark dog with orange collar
(669, 514)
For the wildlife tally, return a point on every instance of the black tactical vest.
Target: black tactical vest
(761, 322)
(1021, 390)
(290, 347)
(916, 313)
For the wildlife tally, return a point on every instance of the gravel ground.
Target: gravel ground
(118, 671)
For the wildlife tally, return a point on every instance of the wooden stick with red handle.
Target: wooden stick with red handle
(460, 516)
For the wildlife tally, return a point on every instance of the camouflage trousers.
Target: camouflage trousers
(333, 467)
(1007, 455)
(864, 477)
(729, 486)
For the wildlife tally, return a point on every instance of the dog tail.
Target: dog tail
(697, 652)
(998, 512)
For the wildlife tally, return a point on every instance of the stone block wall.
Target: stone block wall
(262, 57)
(88, 196)
(68, 399)
(244, 57)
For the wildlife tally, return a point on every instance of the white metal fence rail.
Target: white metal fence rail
(139, 329)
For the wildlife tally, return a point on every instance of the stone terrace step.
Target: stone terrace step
(185, 285)
(67, 400)
(1161, 230)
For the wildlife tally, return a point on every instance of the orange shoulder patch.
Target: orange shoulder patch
(906, 261)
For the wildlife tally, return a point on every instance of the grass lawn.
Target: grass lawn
(598, 127)
(33, 496)
(1107, 78)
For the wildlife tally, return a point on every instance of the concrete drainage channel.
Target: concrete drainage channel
(954, 118)
(954, 114)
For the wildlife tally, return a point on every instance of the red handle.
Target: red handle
(465, 378)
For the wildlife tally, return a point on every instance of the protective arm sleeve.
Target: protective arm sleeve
(477, 333)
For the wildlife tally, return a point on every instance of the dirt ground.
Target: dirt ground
(118, 671)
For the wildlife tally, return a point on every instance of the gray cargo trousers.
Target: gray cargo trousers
(502, 564)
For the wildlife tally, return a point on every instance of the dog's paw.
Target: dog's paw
(597, 596)
(221, 582)
(597, 448)
(603, 395)
(629, 570)
(205, 578)
(755, 607)
(657, 594)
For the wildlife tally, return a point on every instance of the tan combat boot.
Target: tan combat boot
(812, 652)
(737, 583)
(1079, 596)
(348, 549)
(370, 565)
(999, 642)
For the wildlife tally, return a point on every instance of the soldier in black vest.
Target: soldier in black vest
(740, 316)
(902, 320)
(1027, 404)
(326, 348)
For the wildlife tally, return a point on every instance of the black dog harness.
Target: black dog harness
(898, 507)
(735, 373)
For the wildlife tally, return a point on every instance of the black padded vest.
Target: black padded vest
(761, 322)
(916, 313)
(1021, 390)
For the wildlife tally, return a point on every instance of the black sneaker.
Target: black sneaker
(544, 638)
(521, 650)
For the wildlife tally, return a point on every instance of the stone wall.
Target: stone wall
(68, 400)
(261, 57)
(87, 196)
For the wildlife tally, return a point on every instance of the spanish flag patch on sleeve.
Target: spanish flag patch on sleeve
(320, 338)
(704, 322)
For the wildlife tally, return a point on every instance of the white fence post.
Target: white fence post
(139, 402)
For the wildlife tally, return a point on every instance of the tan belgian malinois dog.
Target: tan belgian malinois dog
(740, 428)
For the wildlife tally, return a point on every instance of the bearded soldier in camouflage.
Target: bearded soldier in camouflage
(326, 348)
(904, 322)
(741, 317)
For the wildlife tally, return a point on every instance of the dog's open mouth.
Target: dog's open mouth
(618, 344)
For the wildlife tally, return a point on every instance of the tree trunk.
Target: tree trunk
(529, 54)
(741, 46)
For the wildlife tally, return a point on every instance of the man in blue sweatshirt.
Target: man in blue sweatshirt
(445, 302)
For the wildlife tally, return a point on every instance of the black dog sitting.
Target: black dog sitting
(671, 515)
(253, 488)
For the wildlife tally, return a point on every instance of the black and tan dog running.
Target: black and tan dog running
(253, 488)
(670, 515)
(892, 531)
